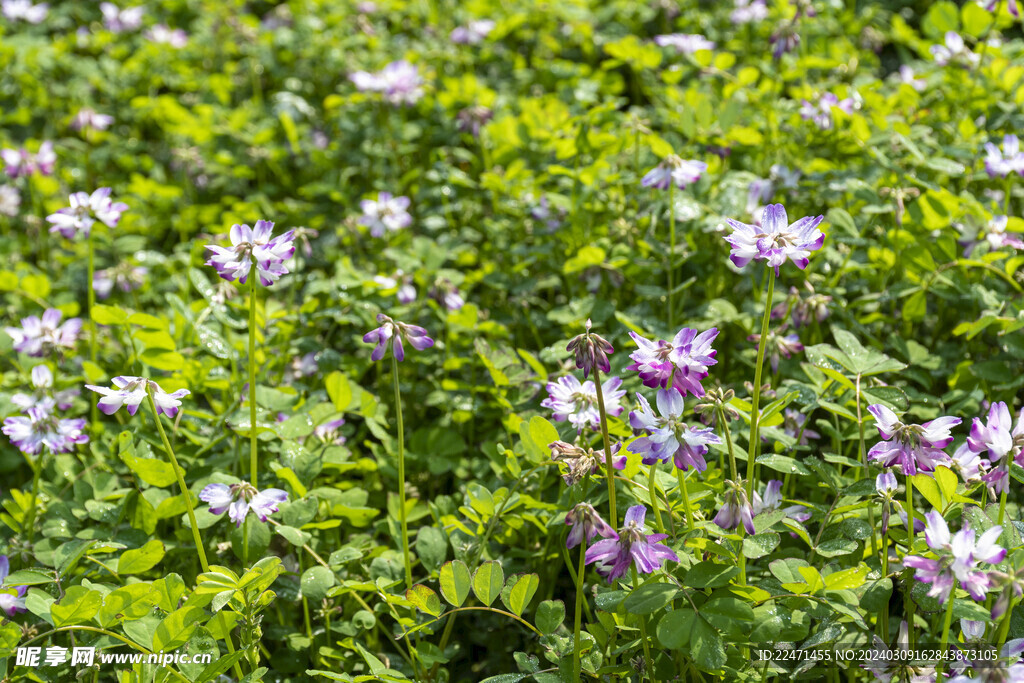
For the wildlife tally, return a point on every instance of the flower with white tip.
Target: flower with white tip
(239, 499)
(131, 391)
(84, 210)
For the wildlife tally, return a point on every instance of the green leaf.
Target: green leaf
(78, 605)
(424, 599)
(108, 315)
(316, 581)
(27, 577)
(162, 359)
(876, 597)
(339, 390)
(176, 628)
(710, 575)
(926, 485)
(760, 545)
(519, 591)
(455, 582)
(296, 537)
(141, 559)
(487, 582)
(431, 547)
(674, 628)
(550, 615)
(706, 646)
(133, 601)
(650, 597)
(846, 579)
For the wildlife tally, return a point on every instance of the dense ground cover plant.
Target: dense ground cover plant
(569, 341)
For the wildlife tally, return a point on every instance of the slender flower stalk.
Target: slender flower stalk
(586, 524)
(186, 494)
(253, 456)
(581, 567)
(91, 299)
(948, 618)
(910, 551)
(756, 397)
(609, 466)
(671, 253)
(402, 516)
(681, 479)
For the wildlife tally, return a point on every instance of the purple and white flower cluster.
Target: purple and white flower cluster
(577, 402)
(630, 546)
(20, 163)
(84, 210)
(41, 336)
(41, 427)
(241, 499)
(957, 559)
(399, 82)
(130, 392)
(253, 247)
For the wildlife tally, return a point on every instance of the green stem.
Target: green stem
(864, 465)
(671, 250)
(643, 634)
(609, 469)
(253, 459)
(652, 489)
(1008, 194)
(30, 515)
(181, 483)
(910, 550)
(577, 623)
(735, 477)
(1002, 503)
(945, 626)
(885, 573)
(681, 478)
(755, 399)
(401, 475)
(94, 410)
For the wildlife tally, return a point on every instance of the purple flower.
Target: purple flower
(390, 333)
(85, 210)
(387, 214)
(10, 200)
(125, 277)
(591, 351)
(954, 49)
(779, 344)
(748, 11)
(785, 39)
(251, 246)
(328, 432)
(668, 436)
(1000, 440)
(570, 400)
(43, 398)
(630, 546)
(793, 425)
(162, 35)
(447, 294)
(910, 447)
(24, 10)
(21, 162)
(821, 112)
(582, 462)
(776, 241)
(543, 212)
(88, 118)
(472, 33)
(772, 500)
(42, 336)
(239, 499)
(586, 524)
(41, 429)
(120, 20)
(886, 487)
(906, 76)
(674, 170)
(406, 290)
(1010, 160)
(400, 82)
(131, 391)
(685, 43)
(10, 603)
(993, 5)
(683, 362)
(736, 509)
(958, 557)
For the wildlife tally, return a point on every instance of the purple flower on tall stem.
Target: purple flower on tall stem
(993, 5)
(668, 436)
(1003, 163)
(748, 11)
(776, 240)
(472, 33)
(400, 82)
(736, 509)
(41, 336)
(576, 402)
(87, 118)
(119, 20)
(630, 547)
(682, 363)
(391, 333)
(821, 111)
(785, 39)
(793, 425)
(954, 49)
(586, 524)
(24, 10)
(778, 345)
(1001, 440)
(41, 429)
(253, 246)
(674, 170)
(385, 214)
(685, 43)
(84, 210)
(162, 35)
(10, 603)
(239, 499)
(125, 276)
(44, 398)
(131, 391)
(591, 351)
(957, 558)
(910, 447)
(20, 162)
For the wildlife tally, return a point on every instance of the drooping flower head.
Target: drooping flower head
(581, 462)
(630, 546)
(682, 363)
(472, 119)
(736, 509)
(576, 402)
(779, 344)
(391, 333)
(385, 214)
(10, 603)
(685, 43)
(667, 435)
(253, 246)
(957, 557)
(586, 524)
(911, 447)
(39, 336)
(775, 240)
(447, 294)
(239, 499)
(84, 210)
(1009, 160)
(591, 351)
(672, 169)
(785, 38)
(793, 424)
(131, 391)
(41, 429)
